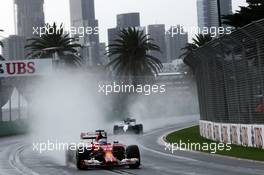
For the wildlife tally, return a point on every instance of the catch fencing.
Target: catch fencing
(230, 76)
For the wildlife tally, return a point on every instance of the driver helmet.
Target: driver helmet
(102, 142)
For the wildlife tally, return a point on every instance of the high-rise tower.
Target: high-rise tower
(83, 15)
(208, 12)
(28, 14)
(175, 42)
(128, 20)
(157, 33)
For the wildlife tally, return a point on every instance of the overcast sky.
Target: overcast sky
(169, 12)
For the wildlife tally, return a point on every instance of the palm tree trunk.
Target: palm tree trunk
(219, 13)
(1, 98)
(1, 114)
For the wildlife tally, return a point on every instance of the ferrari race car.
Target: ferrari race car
(129, 126)
(94, 151)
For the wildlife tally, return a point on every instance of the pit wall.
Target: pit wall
(248, 135)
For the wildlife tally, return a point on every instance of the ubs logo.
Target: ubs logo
(17, 68)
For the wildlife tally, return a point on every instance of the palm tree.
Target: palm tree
(253, 12)
(199, 41)
(131, 58)
(188, 49)
(53, 42)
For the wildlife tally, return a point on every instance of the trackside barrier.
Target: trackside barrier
(248, 135)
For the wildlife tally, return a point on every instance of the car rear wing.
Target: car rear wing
(93, 135)
(129, 120)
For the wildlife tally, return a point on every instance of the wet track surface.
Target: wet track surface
(17, 158)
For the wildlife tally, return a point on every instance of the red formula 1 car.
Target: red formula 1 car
(94, 151)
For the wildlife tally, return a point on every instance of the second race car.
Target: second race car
(129, 126)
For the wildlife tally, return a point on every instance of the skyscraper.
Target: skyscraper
(14, 47)
(103, 57)
(112, 35)
(208, 12)
(175, 42)
(28, 14)
(124, 21)
(225, 7)
(157, 33)
(128, 20)
(83, 15)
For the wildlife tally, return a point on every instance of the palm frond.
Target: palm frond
(1, 44)
(54, 37)
(130, 54)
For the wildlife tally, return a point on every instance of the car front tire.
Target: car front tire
(133, 152)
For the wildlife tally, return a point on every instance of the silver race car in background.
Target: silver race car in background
(129, 126)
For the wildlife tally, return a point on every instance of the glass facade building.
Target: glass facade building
(207, 11)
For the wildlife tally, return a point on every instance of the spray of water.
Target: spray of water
(68, 103)
(63, 106)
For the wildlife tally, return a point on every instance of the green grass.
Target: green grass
(191, 135)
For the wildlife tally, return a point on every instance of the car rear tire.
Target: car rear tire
(140, 129)
(79, 160)
(67, 158)
(116, 130)
(133, 152)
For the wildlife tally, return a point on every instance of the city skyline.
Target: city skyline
(107, 17)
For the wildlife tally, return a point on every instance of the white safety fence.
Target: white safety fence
(248, 135)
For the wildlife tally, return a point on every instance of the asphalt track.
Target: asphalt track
(18, 158)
